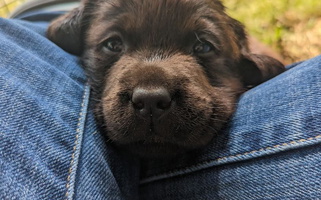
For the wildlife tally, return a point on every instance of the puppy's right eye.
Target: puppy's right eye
(114, 44)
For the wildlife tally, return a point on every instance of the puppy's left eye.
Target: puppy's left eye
(114, 44)
(203, 47)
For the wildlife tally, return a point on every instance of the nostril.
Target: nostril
(149, 101)
(164, 104)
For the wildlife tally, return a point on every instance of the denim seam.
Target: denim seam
(77, 144)
(238, 157)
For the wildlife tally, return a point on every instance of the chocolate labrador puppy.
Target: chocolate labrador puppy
(166, 74)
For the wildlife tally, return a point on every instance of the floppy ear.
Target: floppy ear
(256, 69)
(67, 31)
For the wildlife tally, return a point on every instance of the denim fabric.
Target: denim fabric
(51, 146)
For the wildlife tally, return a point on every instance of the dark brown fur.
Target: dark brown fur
(158, 51)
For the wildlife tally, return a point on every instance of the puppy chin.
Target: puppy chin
(154, 150)
(158, 150)
(153, 145)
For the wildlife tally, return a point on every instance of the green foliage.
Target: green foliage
(270, 21)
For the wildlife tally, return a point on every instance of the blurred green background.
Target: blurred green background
(291, 27)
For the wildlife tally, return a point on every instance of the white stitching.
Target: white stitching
(195, 167)
(78, 131)
(271, 148)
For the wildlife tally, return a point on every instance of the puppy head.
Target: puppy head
(167, 73)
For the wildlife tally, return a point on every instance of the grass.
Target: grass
(291, 27)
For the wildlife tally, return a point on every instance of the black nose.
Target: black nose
(151, 102)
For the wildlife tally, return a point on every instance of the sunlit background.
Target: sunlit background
(6, 6)
(291, 27)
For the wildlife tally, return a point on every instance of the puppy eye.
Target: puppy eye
(202, 47)
(114, 44)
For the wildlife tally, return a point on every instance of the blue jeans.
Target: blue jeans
(51, 147)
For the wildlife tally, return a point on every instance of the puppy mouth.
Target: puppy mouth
(151, 128)
(158, 143)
